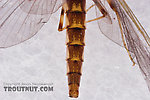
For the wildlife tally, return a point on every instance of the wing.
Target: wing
(40, 6)
(122, 18)
(108, 25)
(135, 21)
(133, 41)
(22, 19)
(110, 30)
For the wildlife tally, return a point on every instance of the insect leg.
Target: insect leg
(102, 9)
(95, 19)
(123, 39)
(60, 27)
(90, 7)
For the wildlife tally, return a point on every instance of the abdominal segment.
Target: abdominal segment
(75, 48)
(75, 19)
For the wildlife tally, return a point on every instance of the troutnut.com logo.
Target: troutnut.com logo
(28, 87)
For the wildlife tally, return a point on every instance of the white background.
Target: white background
(108, 73)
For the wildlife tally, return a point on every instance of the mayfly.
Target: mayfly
(22, 19)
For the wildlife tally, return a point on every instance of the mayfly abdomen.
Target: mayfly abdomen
(75, 17)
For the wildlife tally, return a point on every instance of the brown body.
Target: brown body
(75, 20)
(31, 15)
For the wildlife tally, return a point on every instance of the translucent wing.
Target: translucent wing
(21, 19)
(138, 43)
(40, 6)
(108, 25)
(133, 42)
(135, 21)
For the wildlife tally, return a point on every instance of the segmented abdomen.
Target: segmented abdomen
(75, 43)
